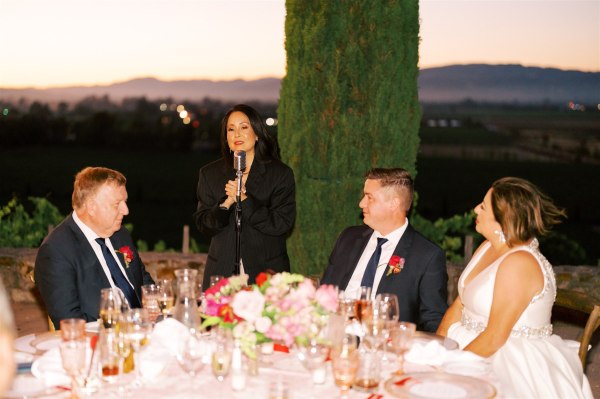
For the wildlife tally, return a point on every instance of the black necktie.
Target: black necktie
(117, 275)
(369, 276)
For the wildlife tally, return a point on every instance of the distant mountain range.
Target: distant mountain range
(454, 83)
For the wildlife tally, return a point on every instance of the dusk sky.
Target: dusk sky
(46, 43)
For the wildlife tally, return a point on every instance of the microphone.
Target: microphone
(239, 160)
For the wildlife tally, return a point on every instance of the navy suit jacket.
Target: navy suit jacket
(421, 287)
(70, 277)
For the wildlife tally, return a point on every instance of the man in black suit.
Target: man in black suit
(390, 256)
(90, 250)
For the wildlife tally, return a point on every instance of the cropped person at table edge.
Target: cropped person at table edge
(506, 294)
(268, 203)
(90, 250)
(389, 255)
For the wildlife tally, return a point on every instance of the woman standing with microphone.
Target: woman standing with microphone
(267, 196)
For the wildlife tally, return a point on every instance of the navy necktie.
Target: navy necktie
(369, 276)
(117, 275)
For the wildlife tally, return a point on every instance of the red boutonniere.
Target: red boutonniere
(127, 254)
(395, 265)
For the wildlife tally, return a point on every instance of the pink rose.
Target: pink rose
(327, 296)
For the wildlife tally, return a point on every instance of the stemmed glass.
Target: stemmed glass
(112, 303)
(191, 353)
(166, 296)
(401, 337)
(313, 356)
(363, 305)
(136, 325)
(345, 362)
(72, 350)
(150, 301)
(221, 356)
(389, 312)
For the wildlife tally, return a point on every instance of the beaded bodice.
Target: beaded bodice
(477, 296)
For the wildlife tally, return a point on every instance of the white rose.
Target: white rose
(248, 305)
(262, 324)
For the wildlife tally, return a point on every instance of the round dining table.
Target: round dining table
(280, 367)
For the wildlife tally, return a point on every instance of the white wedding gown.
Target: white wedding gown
(533, 363)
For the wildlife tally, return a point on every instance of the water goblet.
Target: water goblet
(313, 356)
(389, 312)
(150, 301)
(222, 351)
(345, 362)
(72, 329)
(72, 353)
(401, 340)
(191, 353)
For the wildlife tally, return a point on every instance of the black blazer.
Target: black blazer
(268, 215)
(70, 277)
(421, 287)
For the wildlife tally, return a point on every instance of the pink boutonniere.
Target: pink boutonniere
(395, 265)
(127, 254)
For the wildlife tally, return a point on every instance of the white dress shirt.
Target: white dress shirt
(91, 237)
(387, 250)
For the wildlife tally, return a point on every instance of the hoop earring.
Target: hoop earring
(501, 236)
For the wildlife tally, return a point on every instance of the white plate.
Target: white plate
(92, 327)
(46, 341)
(25, 385)
(467, 368)
(21, 357)
(434, 385)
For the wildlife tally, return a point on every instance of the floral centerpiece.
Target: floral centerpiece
(282, 307)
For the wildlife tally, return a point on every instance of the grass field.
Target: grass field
(161, 187)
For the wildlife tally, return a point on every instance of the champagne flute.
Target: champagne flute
(363, 305)
(345, 362)
(191, 353)
(221, 356)
(111, 305)
(72, 353)
(72, 329)
(166, 296)
(401, 337)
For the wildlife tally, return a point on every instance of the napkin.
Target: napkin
(168, 335)
(433, 353)
(48, 368)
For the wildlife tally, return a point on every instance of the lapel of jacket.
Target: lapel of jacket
(88, 255)
(121, 256)
(356, 249)
(402, 250)
(256, 175)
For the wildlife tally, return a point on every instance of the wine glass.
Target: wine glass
(313, 356)
(221, 356)
(363, 305)
(136, 325)
(345, 362)
(389, 312)
(191, 353)
(72, 329)
(111, 305)
(72, 353)
(166, 296)
(401, 340)
(150, 301)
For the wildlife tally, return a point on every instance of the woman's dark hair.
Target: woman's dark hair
(265, 148)
(523, 210)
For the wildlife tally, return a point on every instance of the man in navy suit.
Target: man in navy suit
(387, 254)
(90, 250)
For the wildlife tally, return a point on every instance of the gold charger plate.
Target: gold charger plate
(434, 385)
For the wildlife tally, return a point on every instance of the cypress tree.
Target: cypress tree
(348, 103)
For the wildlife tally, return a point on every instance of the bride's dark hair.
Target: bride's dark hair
(523, 210)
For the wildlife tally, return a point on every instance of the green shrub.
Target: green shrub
(19, 229)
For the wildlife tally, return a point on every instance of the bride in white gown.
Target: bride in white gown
(506, 294)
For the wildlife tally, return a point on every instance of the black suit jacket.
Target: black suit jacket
(268, 215)
(421, 287)
(70, 277)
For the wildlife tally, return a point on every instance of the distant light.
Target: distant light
(180, 108)
(598, 107)
(172, 107)
(271, 122)
(186, 120)
(163, 107)
(5, 111)
(196, 123)
(183, 113)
